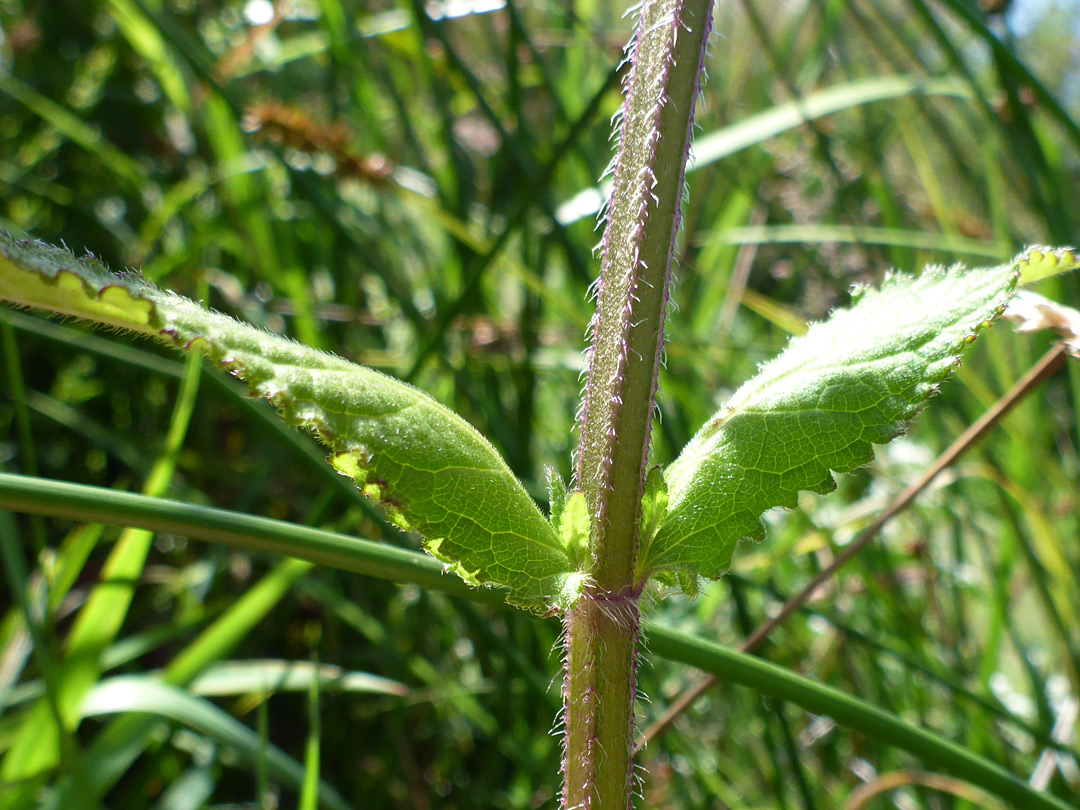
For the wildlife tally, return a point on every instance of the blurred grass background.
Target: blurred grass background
(410, 186)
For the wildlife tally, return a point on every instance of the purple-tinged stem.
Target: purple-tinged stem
(643, 216)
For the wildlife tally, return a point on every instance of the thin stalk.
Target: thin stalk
(22, 419)
(666, 61)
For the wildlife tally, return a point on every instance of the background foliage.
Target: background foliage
(400, 184)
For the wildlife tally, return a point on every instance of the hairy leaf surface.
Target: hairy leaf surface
(848, 384)
(431, 470)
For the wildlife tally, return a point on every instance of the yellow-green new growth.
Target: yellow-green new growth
(1037, 263)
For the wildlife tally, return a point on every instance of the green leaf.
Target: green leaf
(654, 505)
(848, 384)
(557, 494)
(574, 528)
(430, 470)
(1038, 263)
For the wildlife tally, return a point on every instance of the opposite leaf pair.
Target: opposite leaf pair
(849, 383)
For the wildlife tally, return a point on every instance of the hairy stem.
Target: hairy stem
(662, 86)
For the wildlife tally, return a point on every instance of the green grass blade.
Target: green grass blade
(1044, 97)
(76, 130)
(759, 675)
(769, 679)
(859, 234)
(115, 748)
(145, 695)
(783, 117)
(309, 790)
(192, 791)
(247, 677)
(99, 622)
(23, 762)
(60, 499)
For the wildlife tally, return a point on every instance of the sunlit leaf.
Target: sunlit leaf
(848, 384)
(430, 470)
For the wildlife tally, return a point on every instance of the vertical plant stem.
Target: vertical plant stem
(666, 61)
(22, 421)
